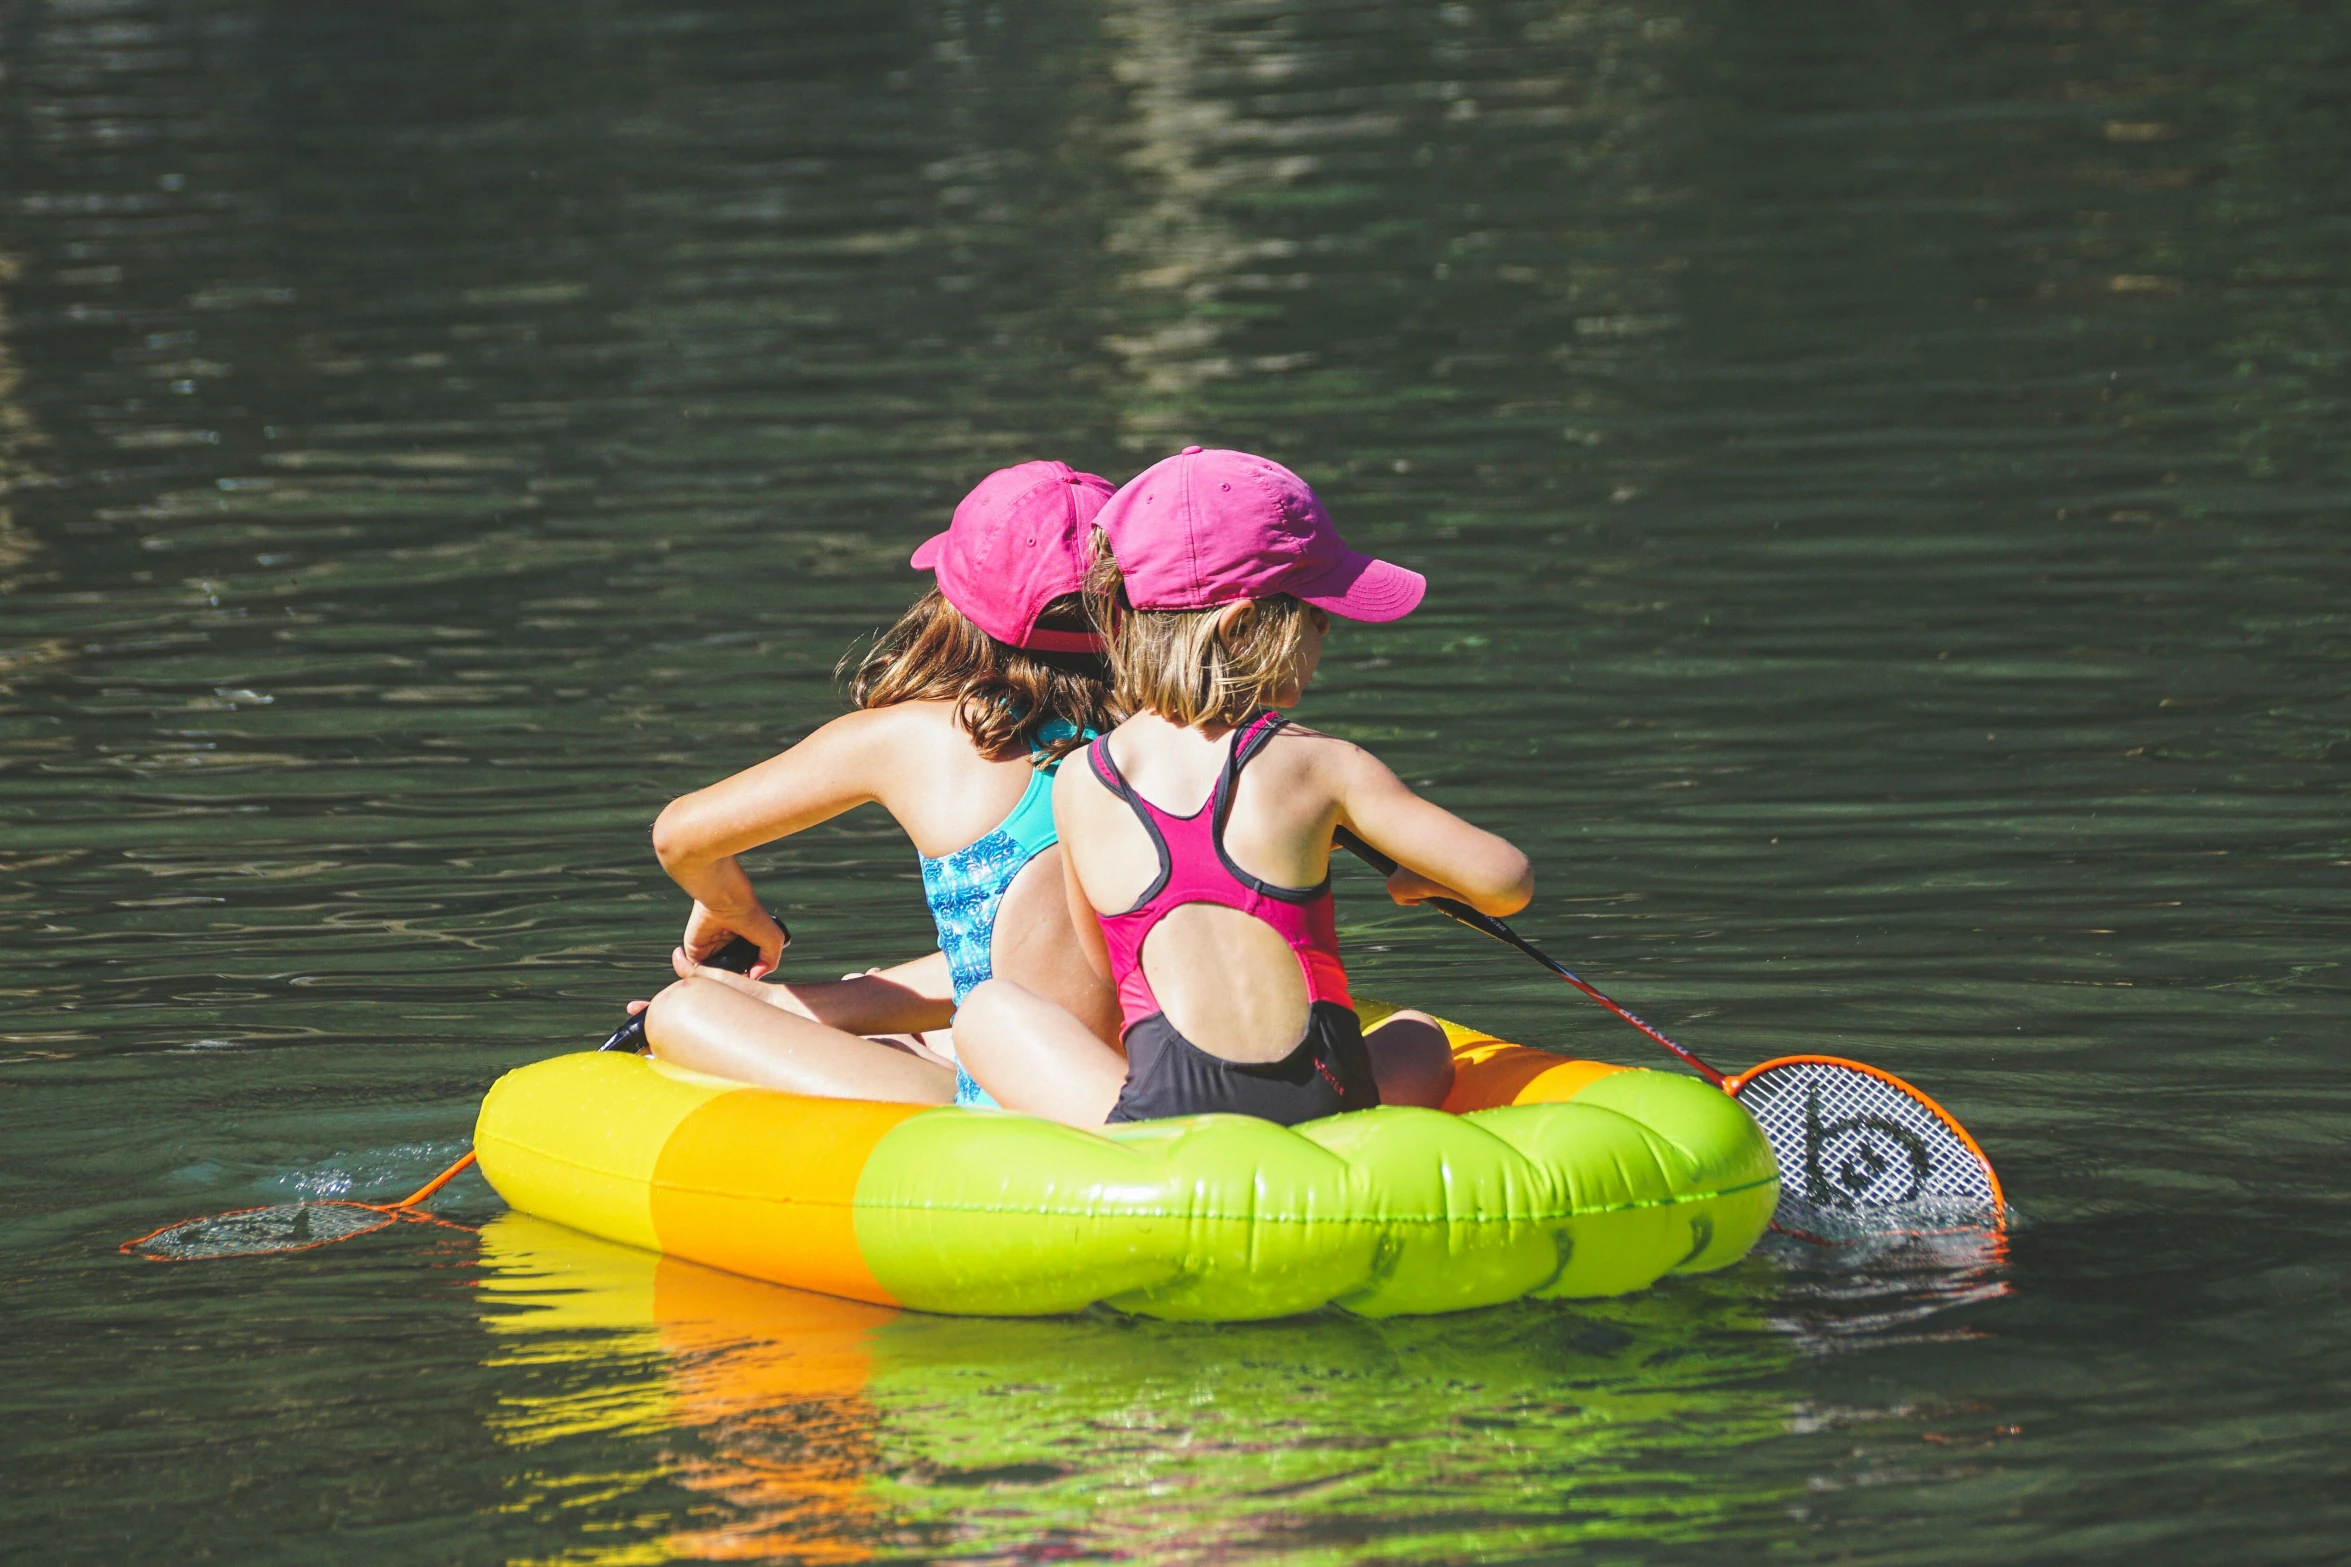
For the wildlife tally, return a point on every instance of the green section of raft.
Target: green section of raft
(1384, 1212)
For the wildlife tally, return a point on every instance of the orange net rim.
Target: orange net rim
(1731, 1086)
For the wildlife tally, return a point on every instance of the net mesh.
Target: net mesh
(1849, 1141)
(291, 1226)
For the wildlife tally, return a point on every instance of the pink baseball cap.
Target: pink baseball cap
(1019, 541)
(1204, 528)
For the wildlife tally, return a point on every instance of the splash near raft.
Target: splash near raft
(1542, 1177)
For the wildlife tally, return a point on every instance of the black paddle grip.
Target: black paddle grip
(736, 957)
(1343, 839)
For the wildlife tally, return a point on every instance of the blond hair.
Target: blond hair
(1183, 664)
(1003, 695)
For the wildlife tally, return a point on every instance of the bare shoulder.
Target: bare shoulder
(898, 726)
(1297, 750)
(1074, 781)
(878, 749)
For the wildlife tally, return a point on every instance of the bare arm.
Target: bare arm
(1082, 917)
(1087, 923)
(1440, 854)
(698, 835)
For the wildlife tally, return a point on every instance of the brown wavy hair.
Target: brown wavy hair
(1002, 694)
(1179, 664)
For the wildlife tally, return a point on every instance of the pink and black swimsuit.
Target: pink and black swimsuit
(1167, 1074)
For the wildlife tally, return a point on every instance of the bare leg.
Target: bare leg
(1036, 1057)
(710, 1027)
(911, 998)
(1410, 1060)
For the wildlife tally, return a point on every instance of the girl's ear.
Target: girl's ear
(1234, 616)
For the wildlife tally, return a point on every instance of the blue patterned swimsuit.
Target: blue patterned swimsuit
(967, 887)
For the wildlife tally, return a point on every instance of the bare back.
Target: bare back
(1225, 978)
(916, 762)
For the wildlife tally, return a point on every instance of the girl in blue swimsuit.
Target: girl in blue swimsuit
(964, 710)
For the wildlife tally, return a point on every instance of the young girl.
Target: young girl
(1197, 834)
(965, 708)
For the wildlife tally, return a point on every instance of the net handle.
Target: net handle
(1488, 925)
(437, 1182)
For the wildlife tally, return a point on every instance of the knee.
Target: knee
(675, 1007)
(993, 998)
(1411, 1060)
(986, 1009)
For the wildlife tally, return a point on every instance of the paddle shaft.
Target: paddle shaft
(1487, 925)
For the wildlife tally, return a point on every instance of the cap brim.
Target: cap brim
(926, 554)
(1361, 587)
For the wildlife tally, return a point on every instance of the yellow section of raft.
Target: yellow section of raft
(1542, 1177)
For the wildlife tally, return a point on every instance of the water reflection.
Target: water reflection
(823, 1430)
(1855, 1289)
(17, 438)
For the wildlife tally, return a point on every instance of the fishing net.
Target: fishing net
(290, 1226)
(1854, 1142)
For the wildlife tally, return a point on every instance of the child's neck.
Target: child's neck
(1157, 726)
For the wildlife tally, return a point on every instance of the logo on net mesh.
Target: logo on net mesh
(1862, 1158)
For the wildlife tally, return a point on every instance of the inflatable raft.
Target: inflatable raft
(1542, 1177)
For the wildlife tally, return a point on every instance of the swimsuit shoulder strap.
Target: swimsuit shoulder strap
(1031, 823)
(1246, 745)
(1098, 754)
(1252, 740)
(1051, 734)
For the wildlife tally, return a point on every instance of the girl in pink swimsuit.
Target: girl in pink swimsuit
(1328, 1071)
(1197, 838)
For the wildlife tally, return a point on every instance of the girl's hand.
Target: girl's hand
(757, 990)
(1410, 887)
(708, 930)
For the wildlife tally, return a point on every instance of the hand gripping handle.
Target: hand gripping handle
(736, 957)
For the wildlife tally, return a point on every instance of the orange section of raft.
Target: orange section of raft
(722, 1196)
(1489, 1072)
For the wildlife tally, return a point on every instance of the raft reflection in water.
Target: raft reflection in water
(684, 1413)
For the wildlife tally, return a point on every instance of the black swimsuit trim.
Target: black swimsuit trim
(1107, 770)
(1226, 782)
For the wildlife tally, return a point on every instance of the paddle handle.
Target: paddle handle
(736, 957)
(1487, 925)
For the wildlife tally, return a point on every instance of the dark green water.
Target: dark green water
(1882, 471)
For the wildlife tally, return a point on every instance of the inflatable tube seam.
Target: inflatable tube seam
(1260, 1216)
(605, 1170)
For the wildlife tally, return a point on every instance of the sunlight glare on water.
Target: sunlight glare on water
(1881, 474)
